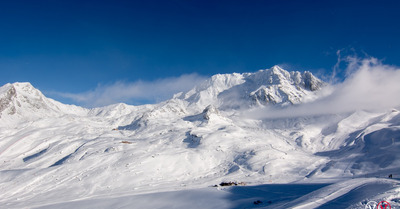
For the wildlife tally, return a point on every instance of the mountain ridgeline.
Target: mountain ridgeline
(271, 86)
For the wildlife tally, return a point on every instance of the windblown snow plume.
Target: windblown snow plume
(370, 85)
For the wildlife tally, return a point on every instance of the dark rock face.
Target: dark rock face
(6, 102)
(311, 82)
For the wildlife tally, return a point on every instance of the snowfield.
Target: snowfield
(354, 193)
(172, 154)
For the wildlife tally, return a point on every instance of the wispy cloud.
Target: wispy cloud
(137, 92)
(369, 85)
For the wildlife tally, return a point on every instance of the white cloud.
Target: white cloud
(369, 85)
(135, 92)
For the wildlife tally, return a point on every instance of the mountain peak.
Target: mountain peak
(311, 82)
(21, 97)
(270, 86)
(27, 89)
(277, 69)
(22, 100)
(23, 84)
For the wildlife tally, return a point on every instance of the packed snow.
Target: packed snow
(175, 154)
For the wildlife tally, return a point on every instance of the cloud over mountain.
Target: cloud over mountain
(135, 92)
(369, 85)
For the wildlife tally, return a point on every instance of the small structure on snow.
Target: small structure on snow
(231, 183)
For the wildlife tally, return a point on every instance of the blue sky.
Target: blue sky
(68, 49)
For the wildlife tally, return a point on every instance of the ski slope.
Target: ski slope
(347, 193)
(171, 154)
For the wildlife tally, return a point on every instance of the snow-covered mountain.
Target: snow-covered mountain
(271, 86)
(51, 153)
(22, 101)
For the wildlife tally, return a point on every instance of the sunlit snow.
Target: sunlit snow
(175, 154)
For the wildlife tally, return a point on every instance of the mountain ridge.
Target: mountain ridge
(223, 91)
(262, 87)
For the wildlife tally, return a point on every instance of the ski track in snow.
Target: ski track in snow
(7, 146)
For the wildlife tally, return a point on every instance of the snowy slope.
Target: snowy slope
(53, 154)
(349, 193)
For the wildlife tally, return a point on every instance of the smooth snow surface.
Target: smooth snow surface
(169, 155)
(349, 193)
